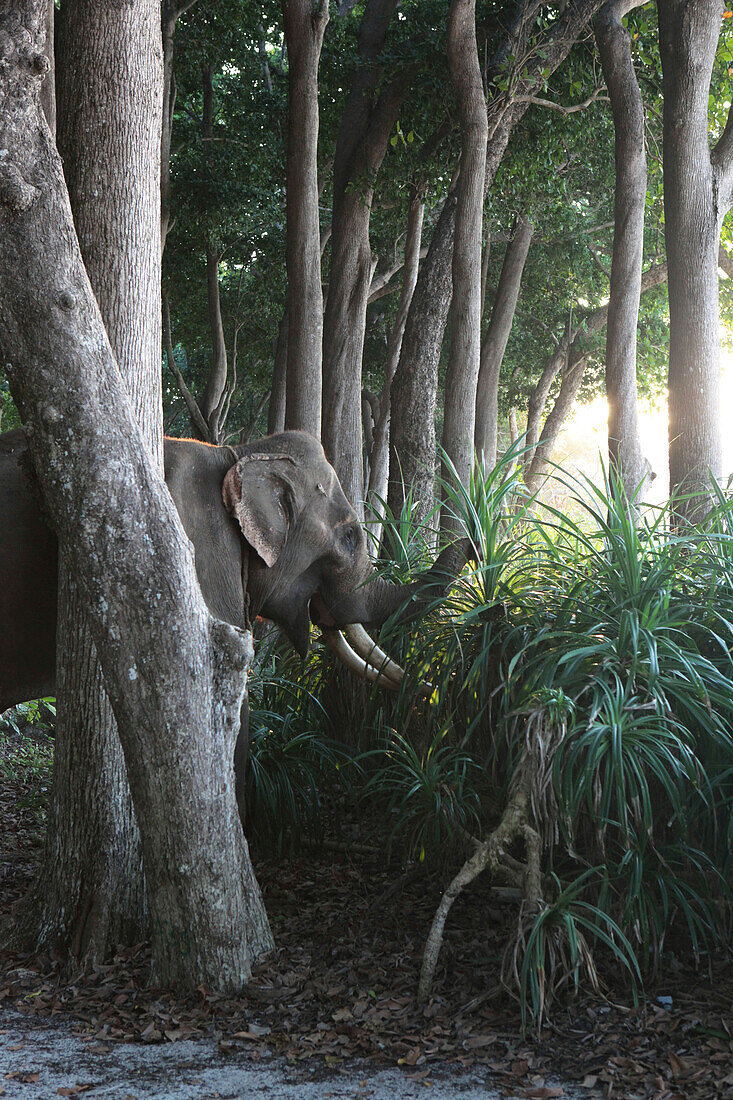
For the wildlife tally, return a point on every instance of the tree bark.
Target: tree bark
(465, 346)
(495, 341)
(276, 409)
(625, 454)
(415, 386)
(176, 679)
(213, 396)
(304, 30)
(379, 453)
(366, 125)
(48, 88)
(94, 857)
(697, 194)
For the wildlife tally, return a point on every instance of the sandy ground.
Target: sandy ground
(38, 1062)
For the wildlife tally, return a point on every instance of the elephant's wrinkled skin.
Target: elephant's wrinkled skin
(273, 535)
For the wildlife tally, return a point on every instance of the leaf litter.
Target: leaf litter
(341, 985)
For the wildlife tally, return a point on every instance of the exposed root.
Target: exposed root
(530, 816)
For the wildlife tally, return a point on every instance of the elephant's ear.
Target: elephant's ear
(258, 491)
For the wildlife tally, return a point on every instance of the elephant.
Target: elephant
(273, 535)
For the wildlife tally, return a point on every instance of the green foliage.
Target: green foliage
(26, 761)
(620, 627)
(289, 756)
(431, 797)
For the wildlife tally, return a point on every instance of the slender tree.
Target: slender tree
(495, 341)
(379, 451)
(465, 347)
(625, 453)
(304, 30)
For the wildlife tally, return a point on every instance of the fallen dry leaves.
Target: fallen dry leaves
(342, 981)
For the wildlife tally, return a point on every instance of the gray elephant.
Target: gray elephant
(273, 536)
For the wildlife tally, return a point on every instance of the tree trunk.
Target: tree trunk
(696, 198)
(176, 680)
(212, 397)
(304, 30)
(572, 377)
(276, 409)
(495, 341)
(91, 858)
(366, 124)
(568, 351)
(625, 455)
(538, 397)
(48, 88)
(465, 345)
(379, 454)
(415, 386)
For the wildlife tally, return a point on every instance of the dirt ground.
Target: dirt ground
(333, 1013)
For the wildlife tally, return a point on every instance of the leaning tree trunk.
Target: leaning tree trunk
(304, 29)
(697, 194)
(465, 343)
(176, 677)
(625, 454)
(495, 341)
(366, 124)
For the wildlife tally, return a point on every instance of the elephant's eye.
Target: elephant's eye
(349, 538)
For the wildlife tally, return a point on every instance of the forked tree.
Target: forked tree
(176, 680)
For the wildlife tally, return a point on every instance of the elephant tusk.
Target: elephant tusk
(369, 661)
(367, 648)
(335, 641)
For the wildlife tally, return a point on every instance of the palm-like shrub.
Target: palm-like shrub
(618, 628)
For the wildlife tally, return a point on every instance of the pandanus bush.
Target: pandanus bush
(585, 668)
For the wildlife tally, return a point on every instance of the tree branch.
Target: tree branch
(536, 101)
(722, 158)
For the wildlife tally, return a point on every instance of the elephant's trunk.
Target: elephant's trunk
(378, 600)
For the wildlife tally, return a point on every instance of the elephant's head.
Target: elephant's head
(310, 560)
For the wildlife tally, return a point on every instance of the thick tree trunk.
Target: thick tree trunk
(465, 346)
(304, 30)
(495, 341)
(175, 676)
(379, 453)
(366, 125)
(625, 454)
(696, 196)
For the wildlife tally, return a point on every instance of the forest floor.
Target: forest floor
(333, 1012)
